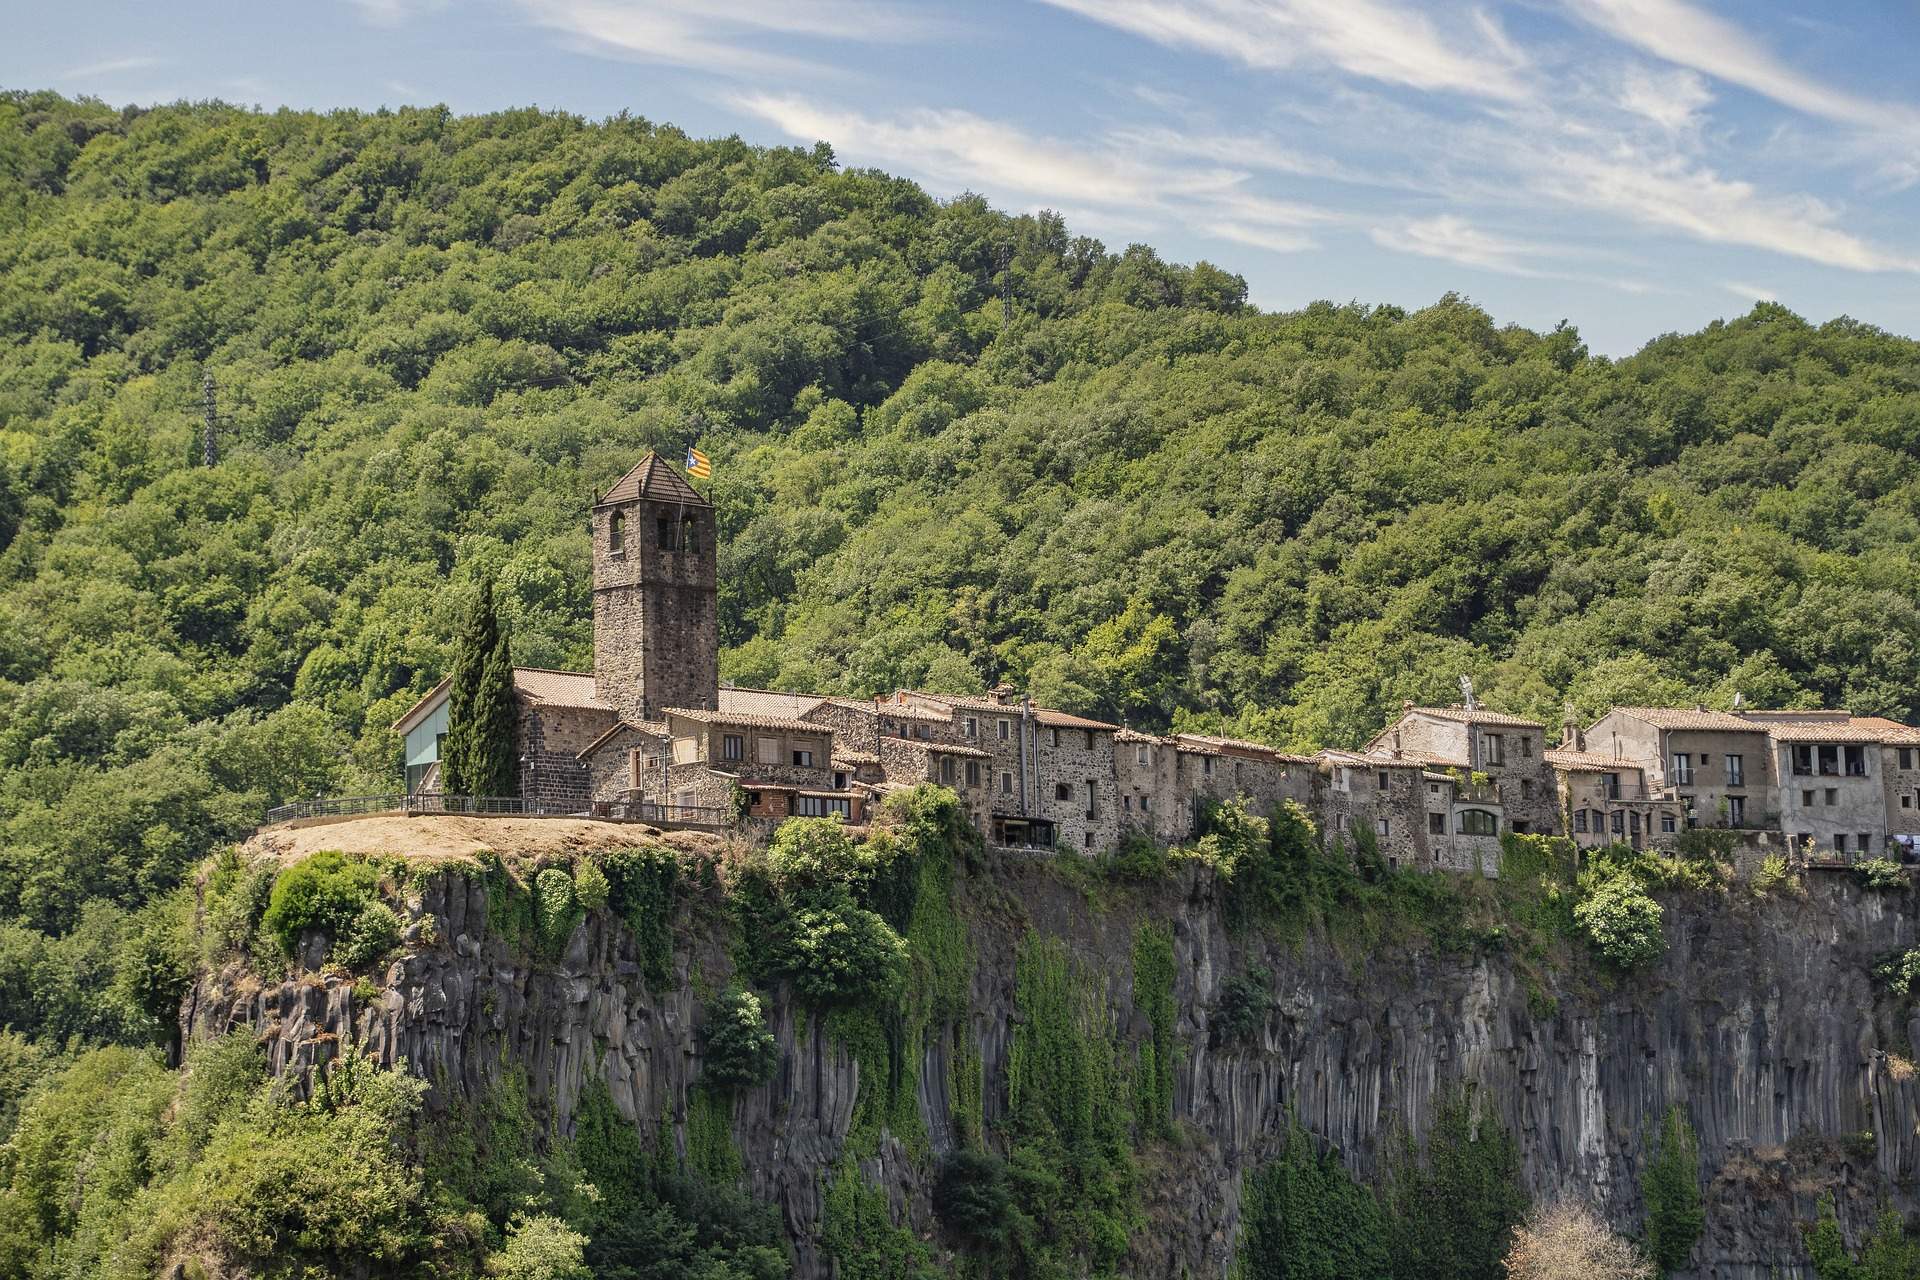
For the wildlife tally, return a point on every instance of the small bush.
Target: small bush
(809, 855)
(326, 891)
(373, 933)
(739, 1050)
(1622, 923)
(590, 885)
(1240, 1015)
(1772, 875)
(842, 954)
(541, 1248)
(1899, 973)
(974, 1200)
(1882, 874)
(556, 909)
(1137, 858)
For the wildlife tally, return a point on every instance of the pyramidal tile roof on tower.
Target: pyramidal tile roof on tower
(652, 477)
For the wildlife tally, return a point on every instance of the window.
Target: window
(822, 807)
(733, 746)
(663, 533)
(1526, 746)
(1803, 761)
(1827, 758)
(766, 750)
(1478, 822)
(1611, 783)
(1667, 823)
(802, 758)
(753, 799)
(1906, 801)
(1386, 781)
(1833, 795)
(973, 773)
(617, 534)
(1006, 783)
(1380, 826)
(1736, 811)
(1433, 788)
(1003, 731)
(922, 732)
(1146, 803)
(1092, 808)
(1140, 754)
(1806, 797)
(1493, 749)
(1126, 802)
(687, 531)
(839, 780)
(1856, 758)
(1906, 757)
(1088, 838)
(1061, 791)
(1682, 769)
(1206, 765)
(1633, 822)
(946, 770)
(1526, 788)
(1089, 734)
(1839, 844)
(973, 727)
(1618, 822)
(1866, 843)
(1736, 771)
(1437, 824)
(1053, 737)
(1580, 820)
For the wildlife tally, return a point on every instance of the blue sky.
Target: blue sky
(1636, 166)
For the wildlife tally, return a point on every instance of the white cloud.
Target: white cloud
(1689, 36)
(1453, 238)
(109, 67)
(1378, 39)
(1112, 175)
(1751, 292)
(1671, 99)
(394, 13)
(720, 38)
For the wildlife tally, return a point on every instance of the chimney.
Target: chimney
(1572, 737)
(1002, 694)
(1396, 744)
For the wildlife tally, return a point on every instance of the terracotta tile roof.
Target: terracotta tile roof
(1477, 715)
(1852, 729)
(748, 721)
(1689, 718)
(557, 688)
(954, 749)
(855, 757)
(1425, 759)
(652, 477)
(1588, 762)
(654, 729)
(767, 702)
(1374, 760)
(898, 710)
(1042, 715)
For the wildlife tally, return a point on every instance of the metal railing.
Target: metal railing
(421, 802)
(691, 815)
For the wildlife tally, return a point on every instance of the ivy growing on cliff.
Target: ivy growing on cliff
(1303, 1217)
(1453, 1201)
(1671, 1190)
(1153, 975)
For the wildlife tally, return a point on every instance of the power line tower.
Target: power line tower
(1006, 285)
(209, 443)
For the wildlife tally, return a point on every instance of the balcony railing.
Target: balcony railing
(420, 802)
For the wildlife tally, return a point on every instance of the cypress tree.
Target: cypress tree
(479, 759)
(1671, 1188)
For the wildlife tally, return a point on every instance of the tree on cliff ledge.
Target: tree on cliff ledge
(478, 759)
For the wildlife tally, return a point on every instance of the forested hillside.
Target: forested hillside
(431, 337)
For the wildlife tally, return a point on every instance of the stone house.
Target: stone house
(1832, 797)
(1509, 751)
(1714, 764)
(556, 715)
(1607, 800)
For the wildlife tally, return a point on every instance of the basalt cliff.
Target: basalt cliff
(1763, 1023)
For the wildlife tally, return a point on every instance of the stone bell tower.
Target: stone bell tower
(656, 636)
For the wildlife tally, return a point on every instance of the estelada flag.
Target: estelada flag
(699, 465)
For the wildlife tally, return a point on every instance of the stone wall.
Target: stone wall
(551, 740)
(1075, 758)
(656, 638)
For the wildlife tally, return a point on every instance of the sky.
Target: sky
(1636, 167)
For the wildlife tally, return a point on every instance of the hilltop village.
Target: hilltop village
(651, 732)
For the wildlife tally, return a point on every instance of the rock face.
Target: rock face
(1762, 1024)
